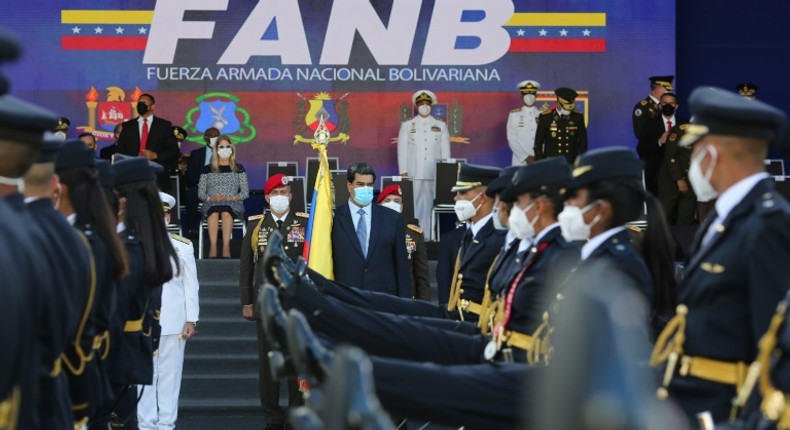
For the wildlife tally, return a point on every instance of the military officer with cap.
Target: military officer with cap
(522, 124)
(422, 142)
(292, 226)
(679, 204)
(561, 131)
(72, 267)
(61, 130)
(648, 107)
(158, 404)
(392, 198)
(747, 90)
(736, 273)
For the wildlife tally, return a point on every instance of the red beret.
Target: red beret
(389, 190)
(276, 181)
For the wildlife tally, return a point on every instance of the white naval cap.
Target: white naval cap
(167, 200)
(423, 95)
(528, 87)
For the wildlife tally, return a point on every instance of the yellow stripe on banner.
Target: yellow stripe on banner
(106, 16)
(557, 19)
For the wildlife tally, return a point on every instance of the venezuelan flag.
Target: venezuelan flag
(105, 30)
(318, 243)
(557, 32)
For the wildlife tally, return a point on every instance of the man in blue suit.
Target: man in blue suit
(367, 240)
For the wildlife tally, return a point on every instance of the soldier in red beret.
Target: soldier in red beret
(293, 227)
(391, 197)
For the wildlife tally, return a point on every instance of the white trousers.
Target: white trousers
(424, 194)
(158, 407)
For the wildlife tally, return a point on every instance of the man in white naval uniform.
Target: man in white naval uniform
(158, 406)
(422, 142)
(522, 124)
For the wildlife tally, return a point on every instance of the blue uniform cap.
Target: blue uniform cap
(497, 185)
(538, 176)
(605, 163)
(75, 154)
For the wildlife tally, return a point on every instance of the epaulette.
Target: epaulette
(439, 119)
(302, 214)
(254, 217)
(683, 126)
(769, 204)
(415, 228)
(579, 112)
(181, 238)
(546, 112)
(643, 102)
(516, 110)
(633, 228)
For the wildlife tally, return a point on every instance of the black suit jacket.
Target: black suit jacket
(160, 140)
(477, 258)
(386, 268)
(197, 160)
(449, 245)
(731, 287)
(108, 151)
(650, 151)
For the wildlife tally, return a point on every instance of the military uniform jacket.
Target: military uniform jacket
(422, 142)
(180, 294)
(503, 268)
(731, 287)
(644, 110)
(477, 259)
(131, 351)
(522, 124)
(418, 263)
(677, 159)
(552, 256)
(293, 230)
(564, 135)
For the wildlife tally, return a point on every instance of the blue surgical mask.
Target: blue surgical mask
(363, 195)
(497, 223)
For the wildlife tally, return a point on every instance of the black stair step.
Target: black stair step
(226, 325)
(247, 405)
(218, 289)
(220, 364)
(218, 270)
(211, 386)
(220, 307)
(230, 344)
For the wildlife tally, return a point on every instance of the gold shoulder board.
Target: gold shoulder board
(516, 110)
(643, 102)
(181, 238)
(302, 214)
(684, 126)
(254, 217)
(415, 228)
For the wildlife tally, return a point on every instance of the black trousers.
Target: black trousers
(482, 396)
(270, 387)
(385, 334)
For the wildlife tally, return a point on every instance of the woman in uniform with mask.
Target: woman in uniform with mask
(222, 188)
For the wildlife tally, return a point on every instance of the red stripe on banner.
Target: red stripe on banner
(557, 45)
(104, 43)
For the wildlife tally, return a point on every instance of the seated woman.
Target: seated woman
(222, 188)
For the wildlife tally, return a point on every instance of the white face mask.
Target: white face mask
(572, 224)
(529, 99)
(212, 142)
(14, 182)
(497, 222)
(392, 205)
(465, 209)
(224, 153)
(562, 111)
(60, 135)
(424, 110)
(279, 204)
(519, 225)
(701, 182)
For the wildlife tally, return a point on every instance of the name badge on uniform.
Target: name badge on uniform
(436, 129)
(296, 235)
(411, 247)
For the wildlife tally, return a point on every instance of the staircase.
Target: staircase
(220, 380)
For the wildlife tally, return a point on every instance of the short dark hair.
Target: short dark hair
(153, 100)
(670, 94)
(361, 168)
(86, 134)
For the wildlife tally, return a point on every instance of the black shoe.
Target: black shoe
(311, 359)
(351, 397)
(274, 322)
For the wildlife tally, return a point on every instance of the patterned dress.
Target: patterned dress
(225, 183)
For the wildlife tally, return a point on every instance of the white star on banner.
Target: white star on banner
(98, 30)
(520, 32)
(543, 32)
(75, 30)
(586, 32)
(142, 30)
(119, 30)
(563, 32)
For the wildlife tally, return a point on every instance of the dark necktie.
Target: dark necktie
(279, 224)
(669, 125)
(362, 232)
(467, 239)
